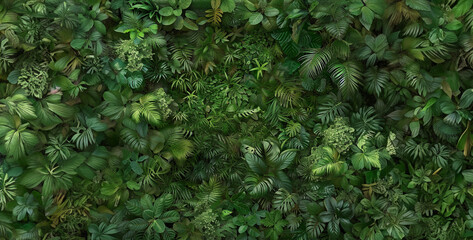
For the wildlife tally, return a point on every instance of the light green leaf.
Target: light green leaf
(271, 11)
(158, 225)
(255, 18)
(166, 11)
(227, 5)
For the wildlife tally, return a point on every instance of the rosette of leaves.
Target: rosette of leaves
(53, 177)
(18, 105)
(267, 164)
(152, 216)
(339, 135)
(34, 79)
(337, 216)
(259, 11)
(51, 112)
(16, 138)
(396, 221)
(177, 15)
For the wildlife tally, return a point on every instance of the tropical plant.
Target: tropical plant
(236, 119)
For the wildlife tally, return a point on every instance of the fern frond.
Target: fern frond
(413, 29)
(214, 16)
(437, 54)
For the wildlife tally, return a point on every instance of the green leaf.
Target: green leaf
(185, 3)
(177, 12)
(166, 11)
(468, 175)
(13, 76)
(414, 127)
(190, 24)
(466, 98)
(227, 5)
(15, 172)
(271, 11)
(62, 109)
(170, 216)
(367, 17)
(255, 18)
(158, 225)
(135, 166)
(191, 15)
(60, 64)
(138, 224)
(462, 7)
(169, 20)
(242, 229)
(454, 25)
(285, 159)
(100, 27)
(422, 5)
(135, 79)
(118, 64)
(366, 160)
(31, 178)
(78, 43)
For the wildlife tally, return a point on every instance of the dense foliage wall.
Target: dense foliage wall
(236, 119)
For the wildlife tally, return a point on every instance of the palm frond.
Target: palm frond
(347, 76)
(314, 61)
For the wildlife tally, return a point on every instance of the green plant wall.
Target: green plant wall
(236, 119)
